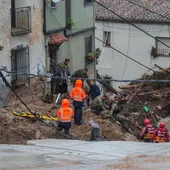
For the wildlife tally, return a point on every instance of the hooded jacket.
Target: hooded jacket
(94, 91)
(92, 124)
(77, 93)
(65, 113)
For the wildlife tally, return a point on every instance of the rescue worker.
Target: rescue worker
(94, 90)
(147, 131)
(65, 113)
(161, 134)
(95, 130)
(82, 73)
(78, 95)
(63, 84)
(96, 103)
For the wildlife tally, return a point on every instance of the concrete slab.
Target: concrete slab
(81, 155)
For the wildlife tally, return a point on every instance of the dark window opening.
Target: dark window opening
(53, 4)
(87, 1)
(107, 38)
(88, 49)
(20, 20)
(20, 64)
(68, 14)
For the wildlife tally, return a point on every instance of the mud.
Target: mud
(16, 130)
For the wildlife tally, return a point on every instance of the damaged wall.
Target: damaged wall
(133, 43)
(34, 40)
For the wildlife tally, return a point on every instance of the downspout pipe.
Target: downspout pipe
(44, 15)
(44, 30)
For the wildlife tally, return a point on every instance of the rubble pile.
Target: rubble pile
(123, 124)
(18, 130)
(155, 96)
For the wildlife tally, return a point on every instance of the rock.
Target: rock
(37, 134)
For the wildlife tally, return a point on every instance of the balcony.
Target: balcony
(20, 20)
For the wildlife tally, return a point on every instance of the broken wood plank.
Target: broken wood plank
(162, 69)
(130, 86)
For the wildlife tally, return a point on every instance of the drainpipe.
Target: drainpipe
(94, 39)
(44, 15)
(44, 30)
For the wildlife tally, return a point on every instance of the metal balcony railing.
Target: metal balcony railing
(20, 20)
(163, 52)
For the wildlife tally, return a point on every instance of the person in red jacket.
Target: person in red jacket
(147, 131)
(65, 114)
(161, 134)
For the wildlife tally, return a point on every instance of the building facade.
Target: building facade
(131, 41)
(69, 31)
(22, 37)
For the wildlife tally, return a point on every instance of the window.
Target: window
(20, 63)
(107, 38)
(88, 45)
(87, 1)
(162, 50)
(20, 20)
(53, 4)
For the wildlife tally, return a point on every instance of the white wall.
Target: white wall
(133, 43)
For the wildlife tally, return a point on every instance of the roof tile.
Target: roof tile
(132, 12)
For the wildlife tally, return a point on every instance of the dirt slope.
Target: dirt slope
(18, 130)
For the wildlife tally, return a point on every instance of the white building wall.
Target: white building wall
(133, 43)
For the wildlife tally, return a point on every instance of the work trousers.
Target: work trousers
(147, 140)
(78, 112)
(95, 134)
(64, 125)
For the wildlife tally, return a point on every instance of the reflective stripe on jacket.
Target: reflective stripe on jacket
(77, 94)
(149, 132)
(65, 114)
(160, 135)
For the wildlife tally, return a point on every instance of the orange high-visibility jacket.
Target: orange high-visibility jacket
(77, 93)
(65, 113)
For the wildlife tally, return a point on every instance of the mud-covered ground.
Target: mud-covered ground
(15, 130)
(125, 125)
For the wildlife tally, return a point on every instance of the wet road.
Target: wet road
(81, 155)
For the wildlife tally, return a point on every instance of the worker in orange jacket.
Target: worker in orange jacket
(78, 95)
(65, 114)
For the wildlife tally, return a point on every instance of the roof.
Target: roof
(132, 12)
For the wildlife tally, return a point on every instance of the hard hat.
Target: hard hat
(161, 124)
(146, 121)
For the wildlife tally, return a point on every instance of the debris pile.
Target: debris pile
(17, 130)
(155, 96)
(122, 121)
